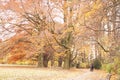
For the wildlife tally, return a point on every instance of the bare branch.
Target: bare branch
(101, 46)
(60, 43)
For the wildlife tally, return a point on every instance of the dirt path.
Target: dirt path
(87, 75)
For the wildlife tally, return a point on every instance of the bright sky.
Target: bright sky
(4, 34)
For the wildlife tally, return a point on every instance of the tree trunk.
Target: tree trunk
(45, 59)
(40, 60)
(60, 60)
(67, 60)
(52, 62)
(52, 59)
(45, 63)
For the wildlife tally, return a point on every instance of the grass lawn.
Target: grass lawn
(25, 72)
(13, 73)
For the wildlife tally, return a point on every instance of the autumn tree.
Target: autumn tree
(113, 22)
(103, 21)
(88, 29)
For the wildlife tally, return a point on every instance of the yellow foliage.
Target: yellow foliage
(96, 6)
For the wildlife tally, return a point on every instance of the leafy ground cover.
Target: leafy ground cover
(33, 73)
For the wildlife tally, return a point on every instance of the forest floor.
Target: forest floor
(16, 72)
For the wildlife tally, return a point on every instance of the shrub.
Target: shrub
(118, 71)
(84, 65)
(97, 64)
(116, 65)
(109, 68)
(104, 66)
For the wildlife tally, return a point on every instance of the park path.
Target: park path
(88, 75)
(25, 72)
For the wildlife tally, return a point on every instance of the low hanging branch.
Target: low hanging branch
(62, 45)
(101, 46)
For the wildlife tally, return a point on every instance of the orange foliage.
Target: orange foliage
(21, 49)
(16, 57)
(0, 40)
